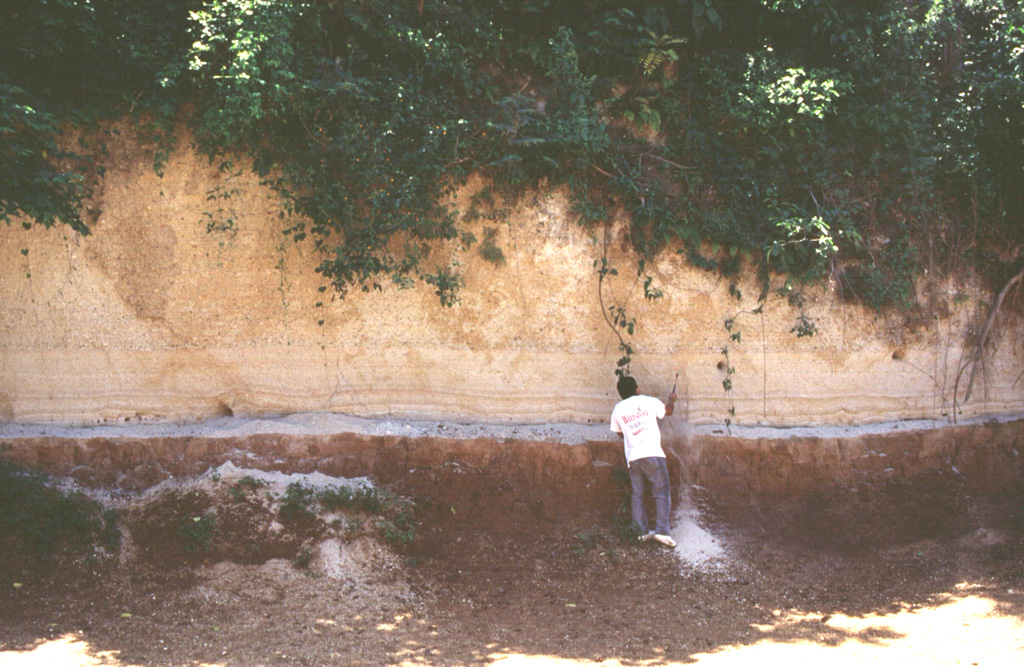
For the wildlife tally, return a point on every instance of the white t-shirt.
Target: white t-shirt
(636, 418)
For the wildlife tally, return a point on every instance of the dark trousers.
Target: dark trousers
(652, 469)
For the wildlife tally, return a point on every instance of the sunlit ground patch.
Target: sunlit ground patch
(962, 629)
(968, 630)
(67, 650)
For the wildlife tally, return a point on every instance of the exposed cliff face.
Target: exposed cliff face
(154, 317)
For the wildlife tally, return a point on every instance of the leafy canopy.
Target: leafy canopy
(804, 136)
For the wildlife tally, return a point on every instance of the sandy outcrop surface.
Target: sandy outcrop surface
(181, 307)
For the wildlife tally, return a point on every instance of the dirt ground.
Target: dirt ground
(486, 587)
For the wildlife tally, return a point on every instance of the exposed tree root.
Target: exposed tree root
(975, 359)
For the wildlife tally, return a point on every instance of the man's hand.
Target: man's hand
(670, 407)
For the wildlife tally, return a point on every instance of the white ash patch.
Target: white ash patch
(270, 481)
(696, 547)
(279, 481)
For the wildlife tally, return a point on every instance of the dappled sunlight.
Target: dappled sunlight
(391, 627)
(67, 650)
(960, 629)
(514, 660)
(968, 630)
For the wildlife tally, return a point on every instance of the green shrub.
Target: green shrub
(365, 498)
(197, 532)
(38, 517)
(398, 523)
(297, 501)
(247, 484)
(396, 516)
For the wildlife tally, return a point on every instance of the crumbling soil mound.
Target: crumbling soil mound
(250, 516)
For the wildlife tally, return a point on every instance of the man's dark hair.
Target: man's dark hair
(626, 386)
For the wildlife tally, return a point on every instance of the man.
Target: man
(635, 419)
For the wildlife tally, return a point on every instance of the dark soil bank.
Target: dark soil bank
(511, 552)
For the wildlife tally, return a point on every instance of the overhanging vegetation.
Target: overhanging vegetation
(864, 140)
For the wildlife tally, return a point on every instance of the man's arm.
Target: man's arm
(670, 407)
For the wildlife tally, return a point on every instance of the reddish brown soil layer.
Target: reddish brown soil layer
(493, 573)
